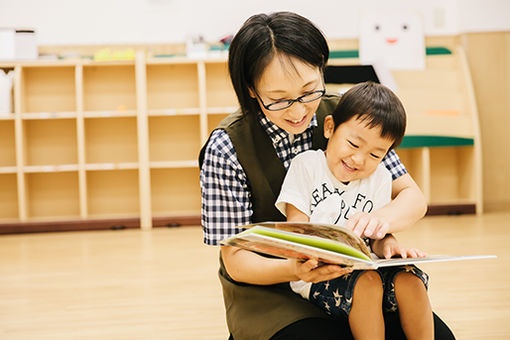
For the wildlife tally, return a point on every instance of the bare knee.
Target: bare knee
(408, 282)
(369, 281)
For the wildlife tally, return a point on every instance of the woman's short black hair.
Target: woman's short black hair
(376, 105)
(262, 37)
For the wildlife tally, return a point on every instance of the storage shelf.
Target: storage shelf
(112, 193)
(214, 120)
(7, 144)
(8, 197)
(47, 89)
(111, 140)
(109, 87)
(52, 195)
(8, 170)
(109, 114)
(48, 115)
(175, 112)
(50, 142)
(50, 168)
(174, 138)
(219, 91)
(119, 140)
(175, 190)
(172, 86)
(221, 110)
(174, 164)
(111, 166)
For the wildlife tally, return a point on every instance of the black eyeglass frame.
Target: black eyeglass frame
(291, 101)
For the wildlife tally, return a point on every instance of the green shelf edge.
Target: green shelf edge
(432, 50)
(420, 141)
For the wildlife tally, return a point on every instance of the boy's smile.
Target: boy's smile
(354, 149)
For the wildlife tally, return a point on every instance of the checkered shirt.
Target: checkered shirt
(226, 197)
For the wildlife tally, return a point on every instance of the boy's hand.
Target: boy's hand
(367, 225)
(310, 271)
(389, 247)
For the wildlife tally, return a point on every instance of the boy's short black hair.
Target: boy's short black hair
(264, 36)
(376, 105)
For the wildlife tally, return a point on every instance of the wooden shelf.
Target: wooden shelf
(175, 190)
(112, 193)
(7, 144)
(8, 197)
(174, 138)
(172, 86)
(111, 144)
(50, 142)
(109, 87)
(52, 195)
(111, 140)
(47, 89)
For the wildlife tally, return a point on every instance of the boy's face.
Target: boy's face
(354, 150)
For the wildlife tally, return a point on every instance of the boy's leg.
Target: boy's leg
(366, 317)
(413, 307)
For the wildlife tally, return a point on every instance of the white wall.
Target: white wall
(60, 22)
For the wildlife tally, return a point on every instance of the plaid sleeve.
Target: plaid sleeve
(394, 165)
(224, 190)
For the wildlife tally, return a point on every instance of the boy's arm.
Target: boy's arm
(406, 208)
(295, 215)
(408, 205)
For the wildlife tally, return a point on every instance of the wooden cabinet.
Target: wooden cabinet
(109, 141)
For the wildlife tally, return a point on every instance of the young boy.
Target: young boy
(331, 186)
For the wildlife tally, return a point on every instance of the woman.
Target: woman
(276, 65)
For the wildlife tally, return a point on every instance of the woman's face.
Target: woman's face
(288, 78)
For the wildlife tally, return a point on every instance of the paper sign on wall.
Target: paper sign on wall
(395, 39)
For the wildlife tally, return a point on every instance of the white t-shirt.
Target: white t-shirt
(311, 187)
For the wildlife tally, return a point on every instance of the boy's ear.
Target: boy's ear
(329, 126)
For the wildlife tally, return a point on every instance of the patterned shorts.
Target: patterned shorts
(335, 296)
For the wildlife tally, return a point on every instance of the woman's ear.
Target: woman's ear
(252, 93)
(329, 126)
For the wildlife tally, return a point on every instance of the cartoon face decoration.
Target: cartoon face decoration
(395, 39)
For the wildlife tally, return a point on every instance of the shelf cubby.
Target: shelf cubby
(175, 191)
(8, 197)
(417, 163)
(109, 87)
(213, 120)
(7, 144)
(219, 90)
(174, 138)
(112, 193)
(111, 140)
(452, 171)
(48, 89)
(172, 88)
(52, 195)
(50, 142)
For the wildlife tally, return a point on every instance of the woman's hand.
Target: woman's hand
(310, 271)
(368, 225)
(389, 247)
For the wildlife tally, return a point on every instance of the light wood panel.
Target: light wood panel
(488, 56)
(162, 284)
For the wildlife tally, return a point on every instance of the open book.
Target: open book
(326, 243)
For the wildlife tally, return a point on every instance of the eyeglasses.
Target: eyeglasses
(283, 104)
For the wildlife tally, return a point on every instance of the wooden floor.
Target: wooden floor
(162, 284)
